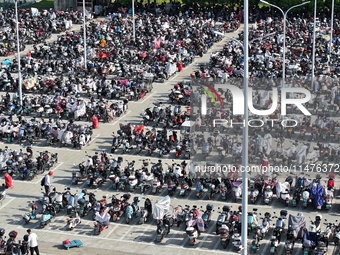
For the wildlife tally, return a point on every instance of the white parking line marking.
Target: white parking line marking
(218, 243)
(120, 118)
(186, 239)
(113, 229)
(264, 251)
(53, 169)
(280, 250)
(127, 232)
(92, 139)
(206, 234)
(8, 202)
(112, 239)
(83, 225)
(143, 233)
(146, 98)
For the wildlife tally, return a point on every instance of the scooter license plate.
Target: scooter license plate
(88, 181)
(320, 252)
(131, 187)
(328, 206)
(169, 188)
(305, 252)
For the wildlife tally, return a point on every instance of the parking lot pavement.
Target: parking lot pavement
(121, 238)
(141, 238)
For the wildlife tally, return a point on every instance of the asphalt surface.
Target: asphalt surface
(121, 238)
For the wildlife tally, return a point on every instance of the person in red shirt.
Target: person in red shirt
(8, 180)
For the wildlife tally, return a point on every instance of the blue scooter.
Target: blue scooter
(132, 209)
(47, 216)
(31, 214)
(73, 201)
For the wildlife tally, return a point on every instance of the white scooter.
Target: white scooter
(268, 195)
(315, 226)
(328, 198)
(143, 215)
(305, 198)
(237, 244)
(132, 183)
(265, 226)
(192, 234)
(84, 139)
(72, 222)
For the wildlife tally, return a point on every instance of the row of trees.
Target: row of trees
(321, 4)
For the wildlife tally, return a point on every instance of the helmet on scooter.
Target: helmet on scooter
(50, 172)
(240, 208)
(136, 199)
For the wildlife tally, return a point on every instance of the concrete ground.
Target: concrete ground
(121, 238)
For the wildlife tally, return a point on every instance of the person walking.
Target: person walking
(8, 180)
(47, 183)
(33, 242)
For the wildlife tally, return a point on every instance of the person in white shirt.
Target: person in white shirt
(47, 183)
(33, 242)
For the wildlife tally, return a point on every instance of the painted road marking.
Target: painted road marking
(113, 229)
(113, 239)
(127, 232)
(208, 233)
(8, 201)
(120, 118)
(146, 98)
(92, 139)
(142, 234)
(53, 169)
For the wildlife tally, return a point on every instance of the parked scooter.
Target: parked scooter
(102, 220)
(72, 222)
(132, 209)
(336, 234)
(31, 214)
(163, 228)
(315, 225)
(265, 226)
(328, 198)
(2, 193)
(192, 234)
(253, 221)
(184, 189)
(78, 176)
(156, 186)
(255, 244)
(280, 225)
(236, 190)
(237, 243)
(47, 216)
(145, 211)
(207, 214)
(223, 217)
(274, 243)
(223, 231)
(199, 190)
(73, 201)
